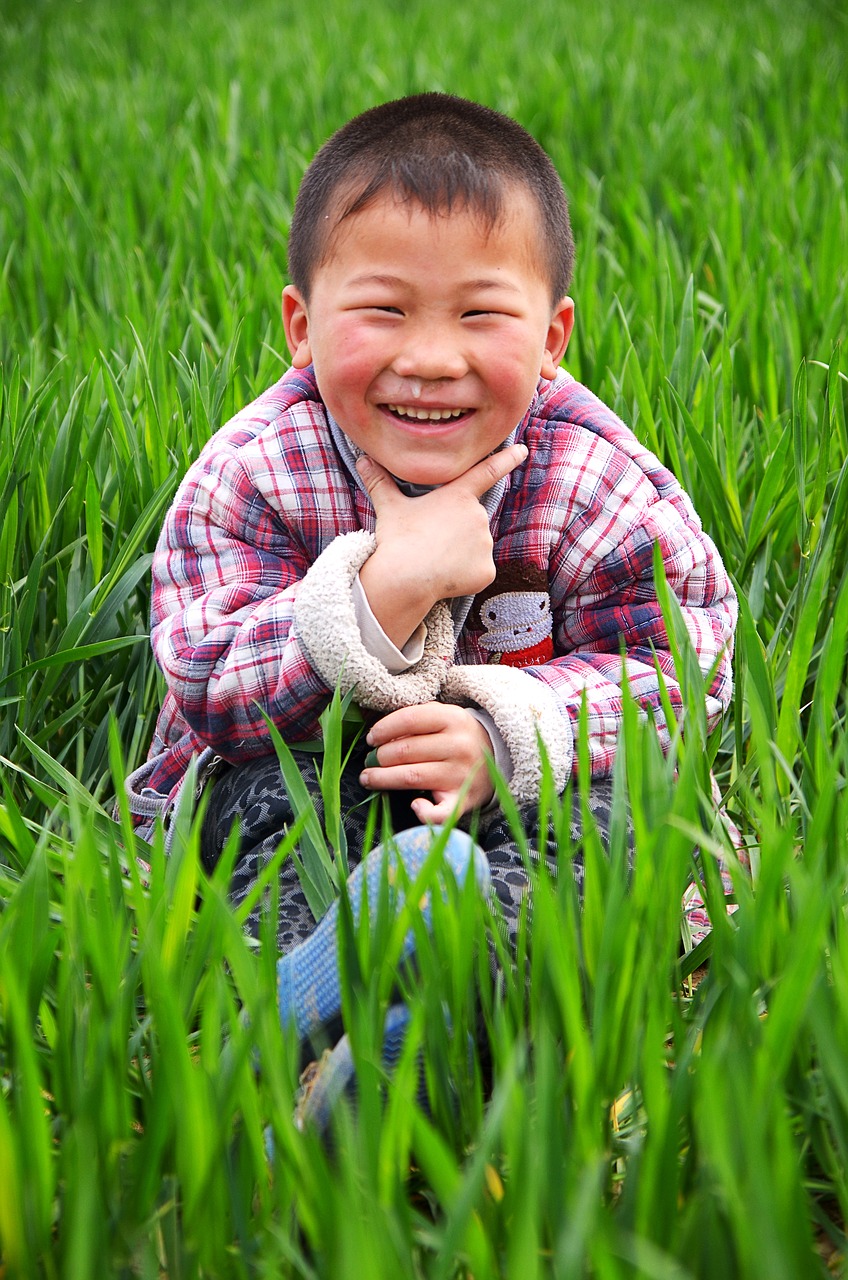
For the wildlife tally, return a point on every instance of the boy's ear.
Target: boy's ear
(296, 325)
(559, 331)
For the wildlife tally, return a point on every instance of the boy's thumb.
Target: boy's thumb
(377, 480)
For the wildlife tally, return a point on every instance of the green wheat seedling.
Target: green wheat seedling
(605, 1102)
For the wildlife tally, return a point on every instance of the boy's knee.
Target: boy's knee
(253, 794)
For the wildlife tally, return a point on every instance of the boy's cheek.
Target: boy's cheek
(349, 365)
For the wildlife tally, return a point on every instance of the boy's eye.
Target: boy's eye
(467, 314)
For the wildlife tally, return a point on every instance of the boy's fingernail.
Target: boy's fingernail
(371, 761)
(369, 738)
(363, 780)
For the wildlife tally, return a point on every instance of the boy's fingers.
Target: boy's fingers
(378, 482)
(433, 814)
(423, 718)
(431, 748)
(488, 471)
(412, 775)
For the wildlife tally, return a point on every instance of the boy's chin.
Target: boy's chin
(427, 472)
(430, 473)
(427, 479)
(430, 476)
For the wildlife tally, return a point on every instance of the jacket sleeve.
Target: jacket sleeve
(609, 628)
(243, 622)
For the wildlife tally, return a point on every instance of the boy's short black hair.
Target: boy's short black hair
(442, 152)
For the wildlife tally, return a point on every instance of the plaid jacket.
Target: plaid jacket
(252, 576)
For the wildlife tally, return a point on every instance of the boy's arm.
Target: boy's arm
(231, 584)
(225, 577)
(589, 636)
(604, 599)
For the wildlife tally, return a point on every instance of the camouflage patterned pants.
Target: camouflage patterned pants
(254, 793)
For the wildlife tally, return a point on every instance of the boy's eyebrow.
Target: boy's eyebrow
(486, 283)
(393, 281)
(376, 278)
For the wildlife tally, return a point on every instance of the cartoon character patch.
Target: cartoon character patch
(515, 618)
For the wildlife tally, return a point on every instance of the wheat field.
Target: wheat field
(632, 1108)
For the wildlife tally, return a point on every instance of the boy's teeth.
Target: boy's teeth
(425, 415)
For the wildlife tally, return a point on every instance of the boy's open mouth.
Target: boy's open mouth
(417, 414)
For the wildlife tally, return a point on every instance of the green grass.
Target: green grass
(628, 1124)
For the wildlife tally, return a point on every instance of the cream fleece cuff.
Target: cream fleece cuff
(325, 621)
(524, 711)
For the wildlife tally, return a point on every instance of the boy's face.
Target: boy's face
(429, 334)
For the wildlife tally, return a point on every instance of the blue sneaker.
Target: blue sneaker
(333, 1075)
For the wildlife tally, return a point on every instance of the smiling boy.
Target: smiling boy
(428, 334)
(425, 455)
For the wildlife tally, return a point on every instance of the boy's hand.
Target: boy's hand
(430, 548)
(434, 747)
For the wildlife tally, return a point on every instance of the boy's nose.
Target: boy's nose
(430, 358)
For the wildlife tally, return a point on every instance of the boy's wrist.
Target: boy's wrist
(398, 601)
(378, 643)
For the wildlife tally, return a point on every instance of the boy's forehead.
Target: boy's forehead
(519, 215)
